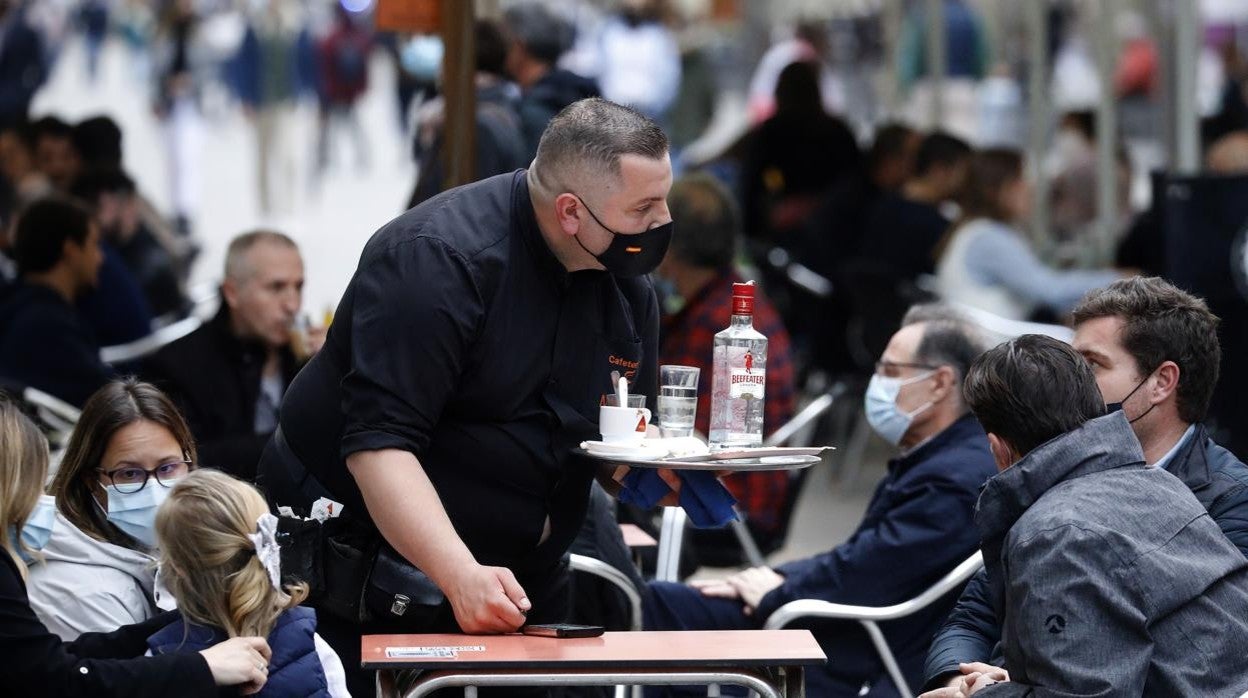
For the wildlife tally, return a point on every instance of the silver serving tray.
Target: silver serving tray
(744, 460)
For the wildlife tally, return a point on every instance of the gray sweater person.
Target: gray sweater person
(1109, 576)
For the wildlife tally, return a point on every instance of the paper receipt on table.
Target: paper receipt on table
(446, 652)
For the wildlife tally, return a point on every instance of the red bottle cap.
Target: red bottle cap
(743, 298)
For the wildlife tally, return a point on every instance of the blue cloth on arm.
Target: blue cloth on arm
(703, 497)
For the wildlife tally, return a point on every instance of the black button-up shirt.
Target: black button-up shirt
(463, 340)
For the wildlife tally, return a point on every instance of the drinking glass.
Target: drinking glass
(678, 399)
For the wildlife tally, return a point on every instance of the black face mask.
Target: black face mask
(1117, 406)
(632, 255)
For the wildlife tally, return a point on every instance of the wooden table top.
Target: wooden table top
(612, 650)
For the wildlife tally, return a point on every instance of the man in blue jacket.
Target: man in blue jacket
(1154, 351)
(918, 525)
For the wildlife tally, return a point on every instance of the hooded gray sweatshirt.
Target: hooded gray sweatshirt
(1108, 575)
(84, 585)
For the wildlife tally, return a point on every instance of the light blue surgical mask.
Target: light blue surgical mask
(37, 529)
(880, 403)
(135, 513)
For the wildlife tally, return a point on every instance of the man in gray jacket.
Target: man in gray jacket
(1154, 350)
(1109, 577)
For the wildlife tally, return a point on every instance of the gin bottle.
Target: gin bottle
(739, 376)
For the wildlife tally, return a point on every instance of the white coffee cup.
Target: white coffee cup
(623, 424)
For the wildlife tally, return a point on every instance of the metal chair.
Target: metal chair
(56, 413)
(146, 346)
(871, 616)
(598, 568)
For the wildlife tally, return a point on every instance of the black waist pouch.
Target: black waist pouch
(354, 575)
(397, 591)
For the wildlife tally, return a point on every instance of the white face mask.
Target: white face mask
(880, 404)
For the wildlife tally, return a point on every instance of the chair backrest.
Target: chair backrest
(869, 616)
(1003, 328)
(152, 343)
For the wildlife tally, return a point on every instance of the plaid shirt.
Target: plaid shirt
(687, 339)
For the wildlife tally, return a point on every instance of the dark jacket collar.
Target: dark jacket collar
(1191, 462)
(247, 352)
(1100, 444)
(966, 427)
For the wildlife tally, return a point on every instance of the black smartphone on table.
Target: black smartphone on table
(562, 630)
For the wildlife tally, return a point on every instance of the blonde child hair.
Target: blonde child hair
(209, 562)
(23, 468)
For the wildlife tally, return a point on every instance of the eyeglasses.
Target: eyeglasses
(883, 367)
(131, 479)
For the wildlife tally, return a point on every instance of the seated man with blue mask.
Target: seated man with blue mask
(918, 525)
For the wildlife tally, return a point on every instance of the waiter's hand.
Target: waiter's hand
(488, 600)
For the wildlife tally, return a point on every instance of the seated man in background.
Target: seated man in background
(44, 343)
(918, 525)
(698, 270)
(1109, 577)
(55, 154)
(228, 376)
(903, 228)
(1154, 350)
(111, 195)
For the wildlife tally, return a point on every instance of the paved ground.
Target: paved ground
(333, 224)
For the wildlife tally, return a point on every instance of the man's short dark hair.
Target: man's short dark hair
(1161, 322)
(98, 142)
(544, 35)
(51, 127)
(596, 133)
(940, 148)
(91, 184)
(1032, 389)
(41, 231)
(698, 202)
(891, 141)
(491, 48)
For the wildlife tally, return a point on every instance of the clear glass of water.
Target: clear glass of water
(678, 399)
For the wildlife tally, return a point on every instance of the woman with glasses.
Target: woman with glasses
(99, 665)
(99, 566)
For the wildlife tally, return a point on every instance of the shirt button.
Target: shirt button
(82, 670)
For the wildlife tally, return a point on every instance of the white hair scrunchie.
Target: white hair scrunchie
(267, 549)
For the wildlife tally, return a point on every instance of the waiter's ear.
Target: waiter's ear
(567, 209)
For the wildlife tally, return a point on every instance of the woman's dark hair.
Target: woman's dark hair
(990, 171)
(797, 89)
(118, 404)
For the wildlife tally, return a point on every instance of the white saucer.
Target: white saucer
(648, 449)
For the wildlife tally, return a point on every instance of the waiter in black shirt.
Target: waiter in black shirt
(468, 358)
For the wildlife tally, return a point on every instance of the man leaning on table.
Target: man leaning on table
(467, 359)
(917, 528)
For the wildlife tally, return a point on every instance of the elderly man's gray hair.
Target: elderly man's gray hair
(237, 266)
(949, 338)
(543, 34)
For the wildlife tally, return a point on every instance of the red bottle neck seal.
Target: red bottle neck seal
(743, 298)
